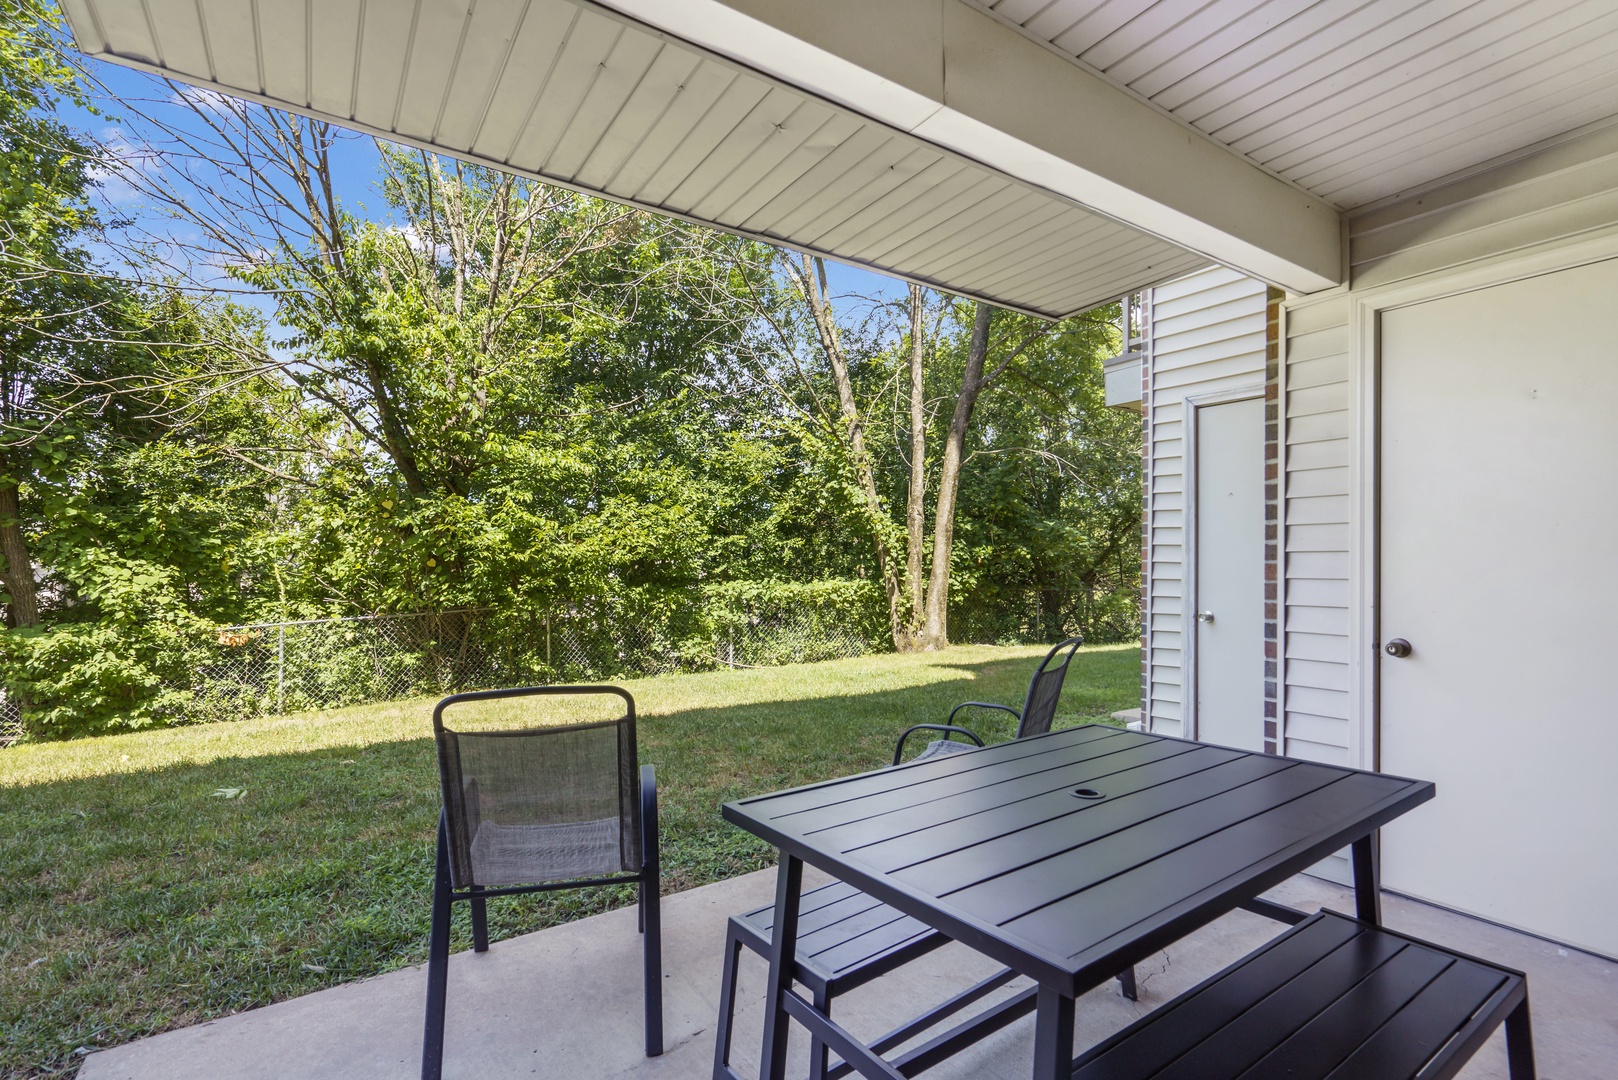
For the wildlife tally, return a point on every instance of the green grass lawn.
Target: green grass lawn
(133, 899)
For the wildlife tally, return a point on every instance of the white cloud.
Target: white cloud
(208, 100)
(414, 239)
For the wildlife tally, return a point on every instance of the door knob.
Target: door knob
(1398, 647)
(1205, 616)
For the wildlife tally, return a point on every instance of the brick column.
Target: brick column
(1146, 519)
(1274, 633)
(1146, 536)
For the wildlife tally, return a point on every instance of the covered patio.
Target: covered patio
(1337, 172)
(565, 1002)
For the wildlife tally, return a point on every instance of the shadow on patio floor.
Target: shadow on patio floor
(565, 1003)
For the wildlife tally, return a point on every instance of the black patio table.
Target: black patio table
(1067, 857)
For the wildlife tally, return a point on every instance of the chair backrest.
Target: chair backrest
(539, 804)
(1045, 689)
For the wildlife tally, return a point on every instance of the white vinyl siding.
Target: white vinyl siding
(1207, 335)
(1315, 522)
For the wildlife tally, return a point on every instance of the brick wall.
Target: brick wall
(1146, 520)
(1273, 632)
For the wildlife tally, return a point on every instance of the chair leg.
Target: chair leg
(651, 920)
(819, 1052)
(653, 953)
(480, 922)
(1520, 1043)
(432, 1041)
(727, 1004)
(1126, 983)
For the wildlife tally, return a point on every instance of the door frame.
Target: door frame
(1188, 615)
(1365, 462)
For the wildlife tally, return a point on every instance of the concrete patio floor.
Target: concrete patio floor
(566, 1003)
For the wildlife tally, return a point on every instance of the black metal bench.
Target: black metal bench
(845, 939)
(1331, 998)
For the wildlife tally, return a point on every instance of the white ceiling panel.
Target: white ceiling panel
(1351, 100)
(335, 38)
(569, 93)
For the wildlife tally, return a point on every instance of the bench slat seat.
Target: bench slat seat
(1331, 999)
(845, 937)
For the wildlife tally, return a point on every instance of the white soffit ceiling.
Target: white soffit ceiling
(1352, 100)
(566, 93)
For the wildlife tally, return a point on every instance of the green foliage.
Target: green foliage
(492, 396)
(805, 621)
(100, 676)
(1047, 528)
(1048, 537)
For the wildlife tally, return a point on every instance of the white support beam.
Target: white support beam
(958, 77)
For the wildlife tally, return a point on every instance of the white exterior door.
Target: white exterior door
(1499, 567)
(1229, 575)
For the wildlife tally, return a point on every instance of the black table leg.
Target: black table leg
(1053, 1036)
(1367, 880)
(783, 961)
(1520, 1043)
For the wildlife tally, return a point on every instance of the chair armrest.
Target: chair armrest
(982, 705)
(946, 728)
(650, 863)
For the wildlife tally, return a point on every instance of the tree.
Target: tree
(1050, 509)
(151, 527)
(47, 292)
(981, 355)
(494, 394)
(506, 378)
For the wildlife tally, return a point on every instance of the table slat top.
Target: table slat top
(994, 848)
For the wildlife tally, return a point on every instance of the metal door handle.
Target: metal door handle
(1205, 616)
(1398, 647)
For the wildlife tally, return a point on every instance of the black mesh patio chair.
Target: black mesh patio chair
(1038, 708)
(540, 809)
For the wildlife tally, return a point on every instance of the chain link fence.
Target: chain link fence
(10, 720)
(271, 668)
(1107, 614)
(788, 637)
(275, 668)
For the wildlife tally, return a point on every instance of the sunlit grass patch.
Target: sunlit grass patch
(135, 898)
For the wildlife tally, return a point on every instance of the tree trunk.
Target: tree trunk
(394, 436)
(814, 284)
(19, 569)
(915, 508)
(935, 631)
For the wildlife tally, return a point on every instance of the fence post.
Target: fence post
(547, 639)
(280, 669)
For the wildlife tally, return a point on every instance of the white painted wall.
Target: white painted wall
(1207, 336)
